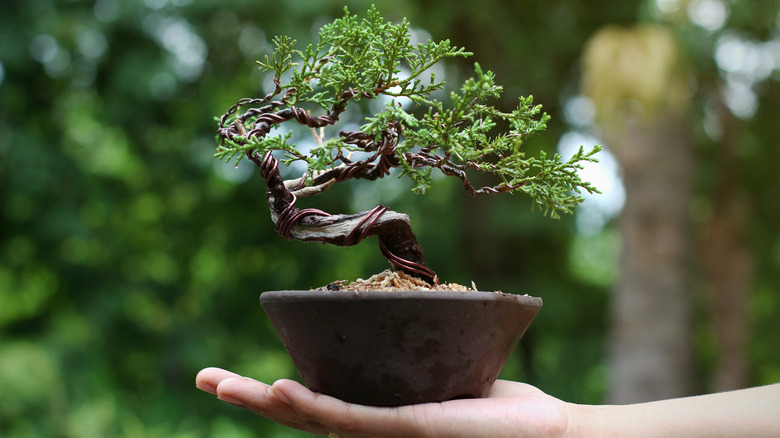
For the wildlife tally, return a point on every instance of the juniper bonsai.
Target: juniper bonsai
(358, 59)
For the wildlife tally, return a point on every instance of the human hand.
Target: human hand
(511, 409)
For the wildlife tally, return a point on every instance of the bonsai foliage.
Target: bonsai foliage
(358, 59)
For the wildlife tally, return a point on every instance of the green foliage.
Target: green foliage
(368, 58)
(364, 55)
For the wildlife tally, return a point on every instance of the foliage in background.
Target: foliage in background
(123, 269)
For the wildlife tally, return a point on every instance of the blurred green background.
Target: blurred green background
(130, 258)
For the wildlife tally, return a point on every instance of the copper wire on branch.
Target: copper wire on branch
(283, 204)
(415, 269)
(376, 166)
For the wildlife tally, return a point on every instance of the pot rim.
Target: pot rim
(432, 295)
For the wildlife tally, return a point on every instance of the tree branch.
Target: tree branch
(396, 239)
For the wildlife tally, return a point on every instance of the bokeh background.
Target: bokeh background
(130, 258)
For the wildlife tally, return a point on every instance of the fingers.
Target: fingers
(254, 396)
(264, 400)
(209, 378)
(333, 414)
(351, 420)
(289, 403)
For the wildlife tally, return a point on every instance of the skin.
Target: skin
(512, 409)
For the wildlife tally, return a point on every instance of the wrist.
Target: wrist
(583, 421)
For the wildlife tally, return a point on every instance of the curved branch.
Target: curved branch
(376, 166)
(396, 239)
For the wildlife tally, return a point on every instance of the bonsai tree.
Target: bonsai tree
(357, 59)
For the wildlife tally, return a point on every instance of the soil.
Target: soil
(394, 281)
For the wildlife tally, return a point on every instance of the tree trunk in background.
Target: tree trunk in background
(638, 86)
(650, 354)
(728, 262)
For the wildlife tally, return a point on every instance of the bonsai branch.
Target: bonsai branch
(396, 239)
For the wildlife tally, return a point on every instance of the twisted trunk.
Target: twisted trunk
(396, 239)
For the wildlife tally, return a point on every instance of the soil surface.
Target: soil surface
(394, 281)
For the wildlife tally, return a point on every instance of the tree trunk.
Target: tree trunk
(638, 84)
(394, 231)
(728, 263)
(650, 340)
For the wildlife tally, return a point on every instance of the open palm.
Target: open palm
(511, 409)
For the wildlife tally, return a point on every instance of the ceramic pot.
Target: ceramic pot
(399, 348)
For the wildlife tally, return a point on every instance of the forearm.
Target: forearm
(753, 412)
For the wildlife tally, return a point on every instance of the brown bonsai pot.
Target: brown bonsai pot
(397, 348)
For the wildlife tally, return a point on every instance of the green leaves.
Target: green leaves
(365, 55)
(554, 184)
(229, 150)
(364, 59)
(281, 59)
